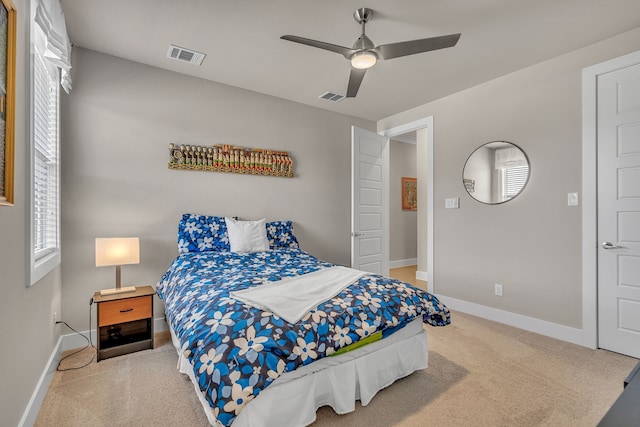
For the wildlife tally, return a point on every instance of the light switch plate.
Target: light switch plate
(452, 203)
(573, 199)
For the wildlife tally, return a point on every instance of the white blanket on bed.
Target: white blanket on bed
(293, 297)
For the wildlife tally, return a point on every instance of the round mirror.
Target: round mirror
(496, 172)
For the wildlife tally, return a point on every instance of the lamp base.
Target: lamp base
(121, 290)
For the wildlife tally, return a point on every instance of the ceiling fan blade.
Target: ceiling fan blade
(344, 51)
(355, 78)
(396, 50)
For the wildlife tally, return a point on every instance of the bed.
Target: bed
(248, 364)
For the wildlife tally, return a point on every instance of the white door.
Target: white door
(369, 192)
(619, 211)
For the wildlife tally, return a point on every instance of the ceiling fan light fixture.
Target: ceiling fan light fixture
(364, 54)
(364, 60)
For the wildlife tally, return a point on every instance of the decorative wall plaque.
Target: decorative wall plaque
(231, 159)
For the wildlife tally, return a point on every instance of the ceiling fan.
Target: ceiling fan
(364, 54)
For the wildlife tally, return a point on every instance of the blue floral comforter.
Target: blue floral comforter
(237, 350)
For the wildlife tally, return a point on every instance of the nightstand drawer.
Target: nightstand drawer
(124, 310)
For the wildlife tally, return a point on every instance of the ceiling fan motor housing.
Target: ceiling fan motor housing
(363, 43)
(362, 15)
(364, 46)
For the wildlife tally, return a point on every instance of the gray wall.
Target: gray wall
(117, 124)
(403, 228)
(27, 334)
(532, 244)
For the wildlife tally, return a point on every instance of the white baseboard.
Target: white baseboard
(65, 342)
(403, 262)
(39, 393)
(542, 327)
(422, 275)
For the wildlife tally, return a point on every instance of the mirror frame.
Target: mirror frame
(504, 201)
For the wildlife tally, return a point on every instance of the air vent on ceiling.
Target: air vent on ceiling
(330, 96)
(185, 55)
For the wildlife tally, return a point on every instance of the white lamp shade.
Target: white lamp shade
(117, 251)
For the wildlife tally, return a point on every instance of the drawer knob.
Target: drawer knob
(126, 310)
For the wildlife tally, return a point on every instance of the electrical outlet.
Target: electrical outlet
(55, 317)
(572, 199)
(498, 290)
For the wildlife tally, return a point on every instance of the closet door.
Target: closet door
(619, 210)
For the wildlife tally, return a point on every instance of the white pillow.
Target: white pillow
(247, 236)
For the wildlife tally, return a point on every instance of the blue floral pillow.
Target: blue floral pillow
(280, 235)
(201, 233)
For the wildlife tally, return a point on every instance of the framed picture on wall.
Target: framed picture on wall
(7, 99)
(409, 194)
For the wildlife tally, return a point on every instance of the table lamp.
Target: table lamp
(117, 251)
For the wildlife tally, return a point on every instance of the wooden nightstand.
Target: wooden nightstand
(125, 322)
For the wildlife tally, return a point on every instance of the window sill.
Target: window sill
(42, 266)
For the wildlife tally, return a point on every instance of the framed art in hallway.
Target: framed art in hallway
(7, 99)
(409, 194)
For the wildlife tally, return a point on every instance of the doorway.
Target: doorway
(403, 218)
(423, 129)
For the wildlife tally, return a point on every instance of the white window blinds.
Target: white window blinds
(45, 162)
(515, 178)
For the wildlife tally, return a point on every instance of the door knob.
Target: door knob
(609, 245)
(357, 234)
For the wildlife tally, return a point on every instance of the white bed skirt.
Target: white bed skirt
(293, 399)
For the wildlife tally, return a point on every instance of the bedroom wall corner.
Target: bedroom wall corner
(532, 244)
(117, 125)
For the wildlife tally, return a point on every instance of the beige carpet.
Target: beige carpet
(481, 373)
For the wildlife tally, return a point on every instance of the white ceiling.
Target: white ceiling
(242, 41)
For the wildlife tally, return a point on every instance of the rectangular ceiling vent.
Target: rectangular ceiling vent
(330, 96)
(185, 55)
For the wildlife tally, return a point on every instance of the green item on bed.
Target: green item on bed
(368, 340)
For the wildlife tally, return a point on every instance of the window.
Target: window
(514, 178)
(44, 177)
(45, 190)
(513, 168)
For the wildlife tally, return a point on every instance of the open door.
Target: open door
(369, 205)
